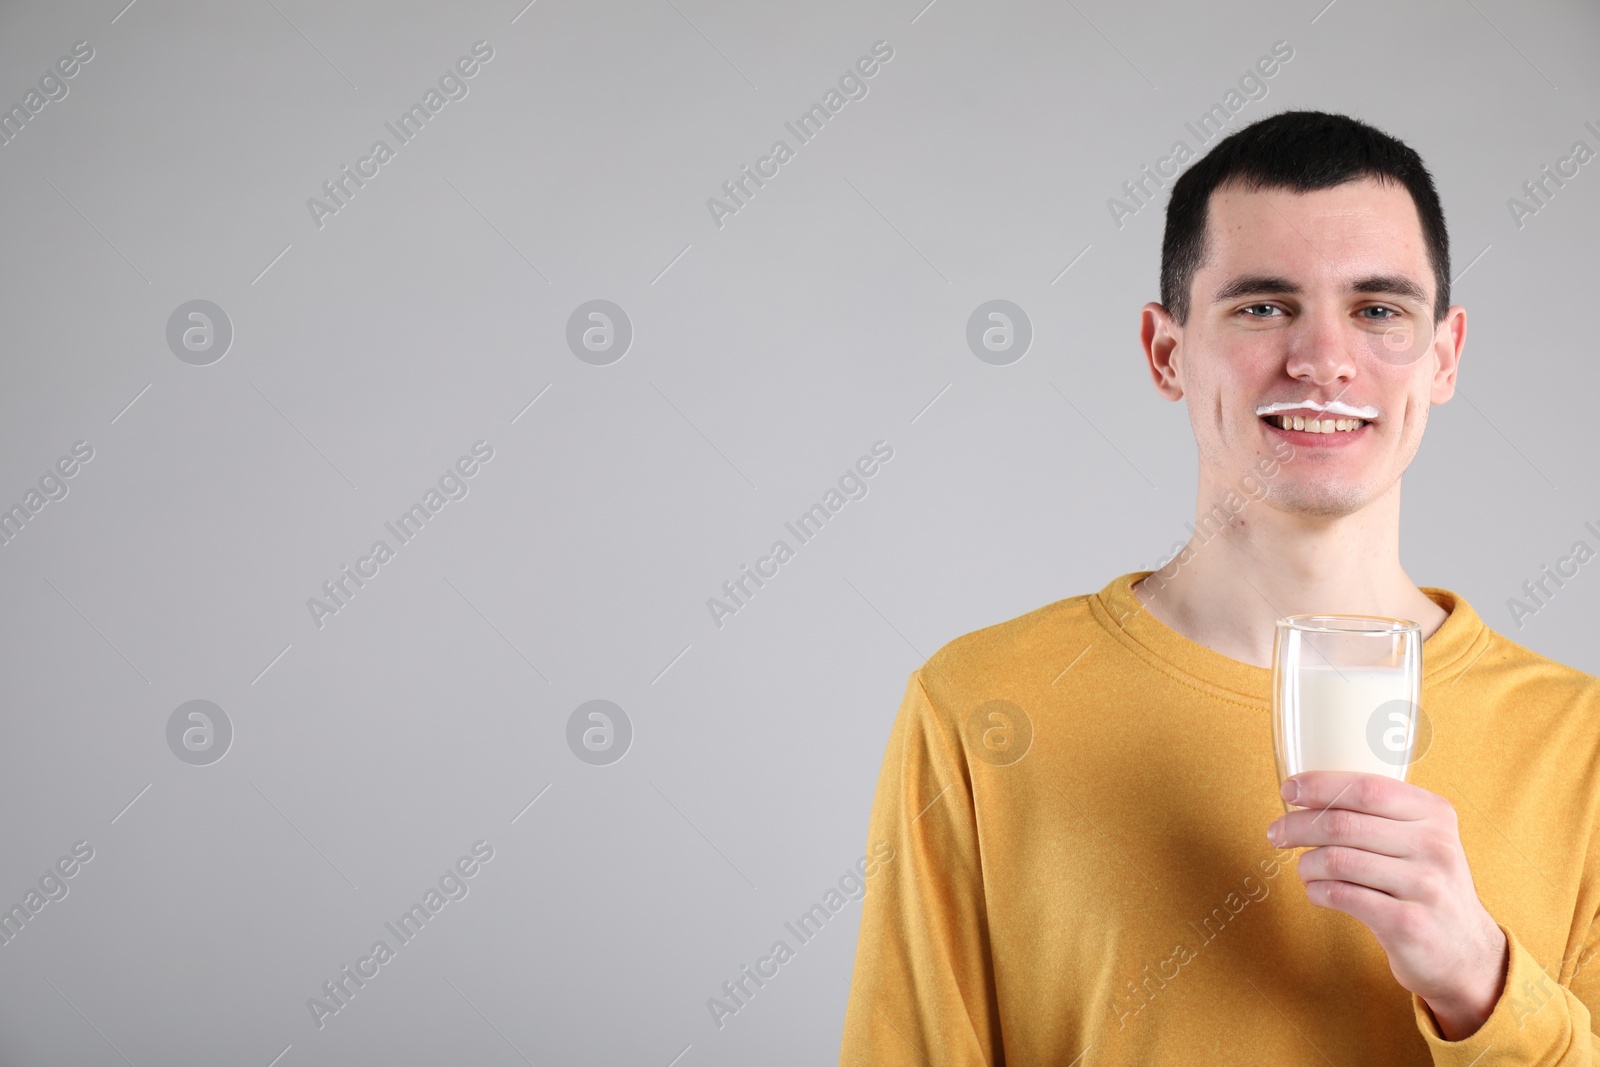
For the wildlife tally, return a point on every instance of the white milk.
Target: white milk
(1335, 708)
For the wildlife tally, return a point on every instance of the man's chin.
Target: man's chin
(1318, 501)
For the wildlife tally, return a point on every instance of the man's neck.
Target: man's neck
(1231, 584)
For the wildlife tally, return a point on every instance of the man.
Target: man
(1083, 801)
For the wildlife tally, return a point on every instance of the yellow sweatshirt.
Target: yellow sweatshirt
(1078, 800)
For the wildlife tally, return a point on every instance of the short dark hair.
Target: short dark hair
(1301, 151)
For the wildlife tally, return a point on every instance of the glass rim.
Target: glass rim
(1329, 624)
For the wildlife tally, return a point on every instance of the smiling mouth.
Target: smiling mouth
(1327, 424)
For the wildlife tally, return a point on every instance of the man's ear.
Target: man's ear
(1162, 340)
(1448, 340)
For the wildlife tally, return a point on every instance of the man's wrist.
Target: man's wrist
(1463, 1013)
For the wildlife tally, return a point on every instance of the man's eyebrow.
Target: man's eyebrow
(1276, 285)
(1392, 284)
(1256, 285)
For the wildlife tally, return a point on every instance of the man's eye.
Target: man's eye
(1256, 307)
(1392, 313)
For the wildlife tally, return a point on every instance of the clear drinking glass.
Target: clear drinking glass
(1345, 693)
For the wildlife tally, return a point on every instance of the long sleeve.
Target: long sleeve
(923, 990)
(1536, 1021)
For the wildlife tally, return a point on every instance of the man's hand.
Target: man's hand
(1388, 853)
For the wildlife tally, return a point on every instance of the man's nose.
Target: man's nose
(1324, 350)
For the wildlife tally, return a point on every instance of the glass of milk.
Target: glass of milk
(1345, 692)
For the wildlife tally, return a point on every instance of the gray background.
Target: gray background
(768, 355)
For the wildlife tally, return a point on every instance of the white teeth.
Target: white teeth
(1300, 422)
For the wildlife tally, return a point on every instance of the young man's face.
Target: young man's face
(1320, 305)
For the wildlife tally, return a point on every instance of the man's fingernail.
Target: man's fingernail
(1272, 835)
(1291, 790)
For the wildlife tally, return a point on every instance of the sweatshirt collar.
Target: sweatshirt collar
(1446, 654)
